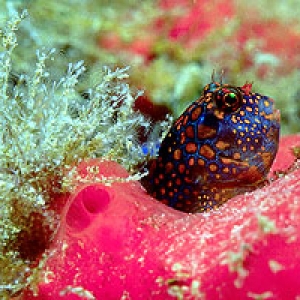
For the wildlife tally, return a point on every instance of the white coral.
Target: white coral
(46, 126)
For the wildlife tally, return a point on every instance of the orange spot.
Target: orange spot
(191, 147)
(213, 167)
(248, 108)
(162, 191)
(233, 119)
(190, 108)
(267, 116)
(217, 197)
(188, 180)
(161, 176)
(222, 145)
(181, 168)
(185, 120)
(209, 105)
(196, 113)
(237, 155)
(266, 103)
(200, 162)
(190, 132)
(182, 138)
(169, 167)
(219, 114)
(177, 154)
(267, 158)
(191, 161)
(177, 122)
(226, 170)
(206, 132)
(207, 152)
(169, 184)
(227, 161)
(178, 181)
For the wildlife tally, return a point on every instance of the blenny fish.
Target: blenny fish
(222, 145)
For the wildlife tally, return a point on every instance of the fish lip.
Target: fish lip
(276, 115)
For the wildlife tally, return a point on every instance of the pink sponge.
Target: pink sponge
(116, 242)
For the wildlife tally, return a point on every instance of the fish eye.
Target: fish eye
(228, 99)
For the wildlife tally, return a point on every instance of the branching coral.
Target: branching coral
(46, 128)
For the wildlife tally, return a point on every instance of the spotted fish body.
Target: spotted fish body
(221, 146)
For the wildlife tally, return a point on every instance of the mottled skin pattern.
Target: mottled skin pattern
(221, 146)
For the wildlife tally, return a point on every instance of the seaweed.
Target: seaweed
(47, 127)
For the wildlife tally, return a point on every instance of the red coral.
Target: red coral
(274, 44)
(265, 43)
(200, 19)
(188, 28)
(115, 241)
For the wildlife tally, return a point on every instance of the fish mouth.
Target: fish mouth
(276, 115)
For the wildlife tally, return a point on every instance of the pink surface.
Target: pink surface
(115, 241)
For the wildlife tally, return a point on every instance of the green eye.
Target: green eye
(228, 99)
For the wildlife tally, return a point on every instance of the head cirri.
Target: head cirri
(222, 145)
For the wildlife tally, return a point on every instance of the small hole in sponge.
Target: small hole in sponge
(92, 199)
(95, 199)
